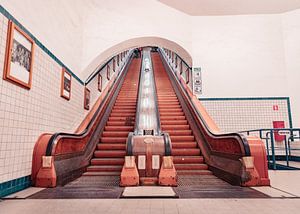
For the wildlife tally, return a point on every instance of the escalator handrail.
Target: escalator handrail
(137, 113)
(156, 100)
(242, 137)
(57, 136)
(100, 68)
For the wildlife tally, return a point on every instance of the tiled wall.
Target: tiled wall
(25, 114)
(241, 114)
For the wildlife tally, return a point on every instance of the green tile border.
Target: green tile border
(38, 43)
(242, 98)
(12, 186)
(254, 98)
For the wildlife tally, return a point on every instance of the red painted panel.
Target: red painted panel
(278, 125)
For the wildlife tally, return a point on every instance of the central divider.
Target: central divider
(148, 158)
(147, 118)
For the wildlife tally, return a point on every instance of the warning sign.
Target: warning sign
(197, 81)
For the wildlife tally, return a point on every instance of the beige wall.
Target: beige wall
(256, 55)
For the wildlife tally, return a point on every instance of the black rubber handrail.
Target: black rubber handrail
(54, 137)
(99, 69)
(168, 146)
(180, 59)
(203, 122)
(129, 144)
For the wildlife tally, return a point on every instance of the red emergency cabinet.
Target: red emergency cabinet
(278, 125)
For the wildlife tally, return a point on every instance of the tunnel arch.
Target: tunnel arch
(134, 43)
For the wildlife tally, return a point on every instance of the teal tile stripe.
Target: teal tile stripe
(244, 98)
(15, 185)
(255, 98)
(38, 43)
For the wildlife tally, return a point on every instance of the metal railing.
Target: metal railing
(282, 145)
(178, 64)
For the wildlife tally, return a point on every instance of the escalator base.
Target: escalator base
(209, 186)
(84, 187)
(189, 186)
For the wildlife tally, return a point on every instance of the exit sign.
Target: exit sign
(275, 108)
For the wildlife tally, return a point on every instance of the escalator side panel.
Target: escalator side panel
(109, 154)
(74, 150)
(222, 153)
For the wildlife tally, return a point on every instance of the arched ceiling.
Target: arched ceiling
(133, 43)
(232, 7)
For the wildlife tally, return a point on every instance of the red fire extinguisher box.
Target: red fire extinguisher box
(278, 125)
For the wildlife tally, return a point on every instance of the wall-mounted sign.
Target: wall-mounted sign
(65, 88)
(197, 81)
(99, 82)
(87, 98)
(114, 65)
(275, 108)
(108, 72)
(187, 75)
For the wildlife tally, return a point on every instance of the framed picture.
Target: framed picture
(180, 68)
(66, 80)
(99, 82)
(187, 75)
(19, 57)
(114, 65)
(108, 72)
(87, 97)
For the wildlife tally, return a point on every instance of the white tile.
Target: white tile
(26, 114)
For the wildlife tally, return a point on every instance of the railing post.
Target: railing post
(286, 152)
(273, 150)
(267, 145)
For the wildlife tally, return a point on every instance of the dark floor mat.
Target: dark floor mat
(209, 186)
(204, 186)
(84, 187)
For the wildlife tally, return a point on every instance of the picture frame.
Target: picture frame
(100, 82)
(87, 98)
(19, 54)
(114, 65)
(66, 84)
(108, 72)
(187, 75)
